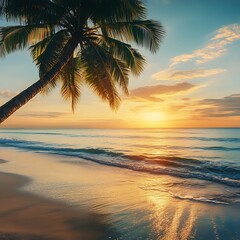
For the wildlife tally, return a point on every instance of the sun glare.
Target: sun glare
(152, 117)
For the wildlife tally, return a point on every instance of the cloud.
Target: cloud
(170, 74)
(216, 47)
(229, 33)
(44, 115)
(222, 107)
(153, 93)
(7, 94)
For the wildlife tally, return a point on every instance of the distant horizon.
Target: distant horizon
(25, 128)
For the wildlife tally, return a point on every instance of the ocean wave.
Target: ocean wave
(219, 148)
(194, 190)
(172, 147)
(217, 172)
(202, 199)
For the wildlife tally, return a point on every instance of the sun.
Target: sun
(152, 117)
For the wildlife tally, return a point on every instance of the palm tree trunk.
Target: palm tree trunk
(15, 103)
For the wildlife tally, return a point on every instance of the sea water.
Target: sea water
(195, 156)
(177, 184)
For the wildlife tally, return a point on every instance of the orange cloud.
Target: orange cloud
(208, 108)
(220, 107)
(7, 94)
(43, 115)
(153, 93)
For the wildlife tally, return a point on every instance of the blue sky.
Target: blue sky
(192, 81)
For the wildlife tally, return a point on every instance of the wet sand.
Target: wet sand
(47, 196)
(27, 216)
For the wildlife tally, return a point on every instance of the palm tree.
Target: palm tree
(78, 42)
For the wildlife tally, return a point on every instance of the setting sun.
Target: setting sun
(152, 116)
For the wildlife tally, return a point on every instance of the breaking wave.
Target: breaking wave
(183, 167)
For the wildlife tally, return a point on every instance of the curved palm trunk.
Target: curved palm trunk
(15, 103)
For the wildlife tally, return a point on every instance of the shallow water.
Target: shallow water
(199, 158)
(150, 184)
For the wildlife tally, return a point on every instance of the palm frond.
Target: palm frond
(30, 11)
(97, 74)
(52, 51)
(48, 53)
(19, 37)
(71, 81)
(123, 51)
(118, 10)
(118, 68)
(38, 48)
(146, 33)
(120, 72)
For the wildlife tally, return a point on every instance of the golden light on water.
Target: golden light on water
(168, 216)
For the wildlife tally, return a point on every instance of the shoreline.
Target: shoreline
(54, 197)
(26, 216)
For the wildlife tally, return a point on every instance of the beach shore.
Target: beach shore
(27, 216)
(49, 196)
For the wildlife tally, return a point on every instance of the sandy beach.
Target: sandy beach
(33, 205)
(27, 216)
(53, 196)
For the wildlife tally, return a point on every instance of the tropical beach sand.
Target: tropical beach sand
(27, 216)
(52, 197)
(30, 208)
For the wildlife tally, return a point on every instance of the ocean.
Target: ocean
(197, 167)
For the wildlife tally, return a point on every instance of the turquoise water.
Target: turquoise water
(198, 158)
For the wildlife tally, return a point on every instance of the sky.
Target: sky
(191, 82)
